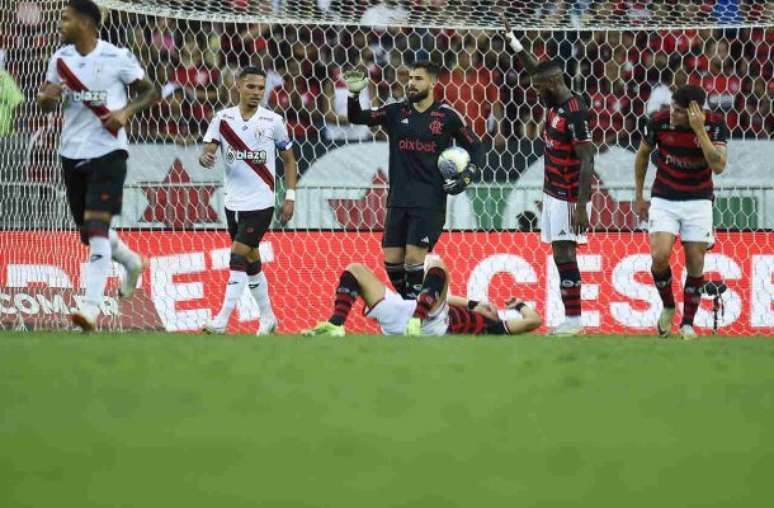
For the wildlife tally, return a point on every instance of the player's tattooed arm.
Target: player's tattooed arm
(146, 94)
(48, 96)
(290, 166)
(526, 57)
(640, 169)
(714, 154)
(207, 158)
(585, 153)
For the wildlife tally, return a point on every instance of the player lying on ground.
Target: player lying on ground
(434, 312)
(90, 78)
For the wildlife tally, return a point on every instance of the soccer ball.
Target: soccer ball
(453, 161)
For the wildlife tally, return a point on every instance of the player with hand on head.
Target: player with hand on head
(249, 137)
(434, 312)
(90, 78)
(569, 170)
(690, 147)
(419, 129)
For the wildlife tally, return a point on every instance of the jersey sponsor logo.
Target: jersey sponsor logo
(96, 97)
(417, 145)
(682, 163)
(258, 156)
(435, 127)
(76, 85)
(437, 114)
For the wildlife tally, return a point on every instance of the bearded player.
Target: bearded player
(249, 137)
(690, 147)
(419, 130)
(90, 77)
(569, 168)
(434, 312)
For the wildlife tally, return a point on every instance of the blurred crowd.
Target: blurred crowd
(624, 75)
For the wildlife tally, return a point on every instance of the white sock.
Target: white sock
(259, 288)
(97, 269)
(121, 253)
(234, 288)
(573, 320)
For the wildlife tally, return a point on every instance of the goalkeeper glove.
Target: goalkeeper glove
(355, 81)
(456, 185)
(514, 42)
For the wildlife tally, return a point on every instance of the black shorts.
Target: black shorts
(413, 226)
(95, 184)
(248, 227)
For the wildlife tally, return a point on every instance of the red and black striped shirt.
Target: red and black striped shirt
(682, 172)
(567, 125)
(463, 321)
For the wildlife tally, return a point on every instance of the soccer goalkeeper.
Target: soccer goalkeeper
(419, 130)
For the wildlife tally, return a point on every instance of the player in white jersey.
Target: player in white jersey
(90, 77)
(249, 137)
(434, 312)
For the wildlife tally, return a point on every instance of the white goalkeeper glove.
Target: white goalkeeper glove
(355, 81)
(514, 42)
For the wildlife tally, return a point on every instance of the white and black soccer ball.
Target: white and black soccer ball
(453, 161)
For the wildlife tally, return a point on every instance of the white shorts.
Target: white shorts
(556, 220)
(393, 314)
(691, 219)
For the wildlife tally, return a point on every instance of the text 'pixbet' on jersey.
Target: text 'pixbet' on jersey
(247, 155)
(417, 145)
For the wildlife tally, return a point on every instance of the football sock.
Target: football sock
(430, 292)
(415, 273)
(397, 276)
(346, 294)
(259, 288)
(237, 279)
(570, 288)
(98, 267)
(691, 298)
(663, 282)
(119, 250)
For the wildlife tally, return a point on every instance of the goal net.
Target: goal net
(624, 57)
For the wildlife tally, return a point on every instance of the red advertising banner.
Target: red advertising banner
(41, 275)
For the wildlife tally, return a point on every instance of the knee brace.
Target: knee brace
(254, 268)
(238, 263)
(94, 227)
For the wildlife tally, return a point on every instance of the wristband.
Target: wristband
(472, 304)
(290, 194)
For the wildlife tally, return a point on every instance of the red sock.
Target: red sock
(432, 286)
(663, 282)
(691, 298)
(570, 287)
(346, 294)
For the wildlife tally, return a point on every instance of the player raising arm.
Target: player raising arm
(690, 146)
(249, 137)
(90, 77)
(433, 313)
(419, 130)
(569, 170)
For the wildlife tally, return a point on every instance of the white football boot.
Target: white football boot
(86, 317)
(268, 326)
(570, 327)
(664, 323)
(688, 333)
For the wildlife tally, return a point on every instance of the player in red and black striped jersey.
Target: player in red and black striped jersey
(689, 145)
(419, 129)
(434, 312)
(569, 169)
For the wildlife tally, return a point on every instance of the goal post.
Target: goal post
(622, 57)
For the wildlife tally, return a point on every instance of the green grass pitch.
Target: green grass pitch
(147, 420)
